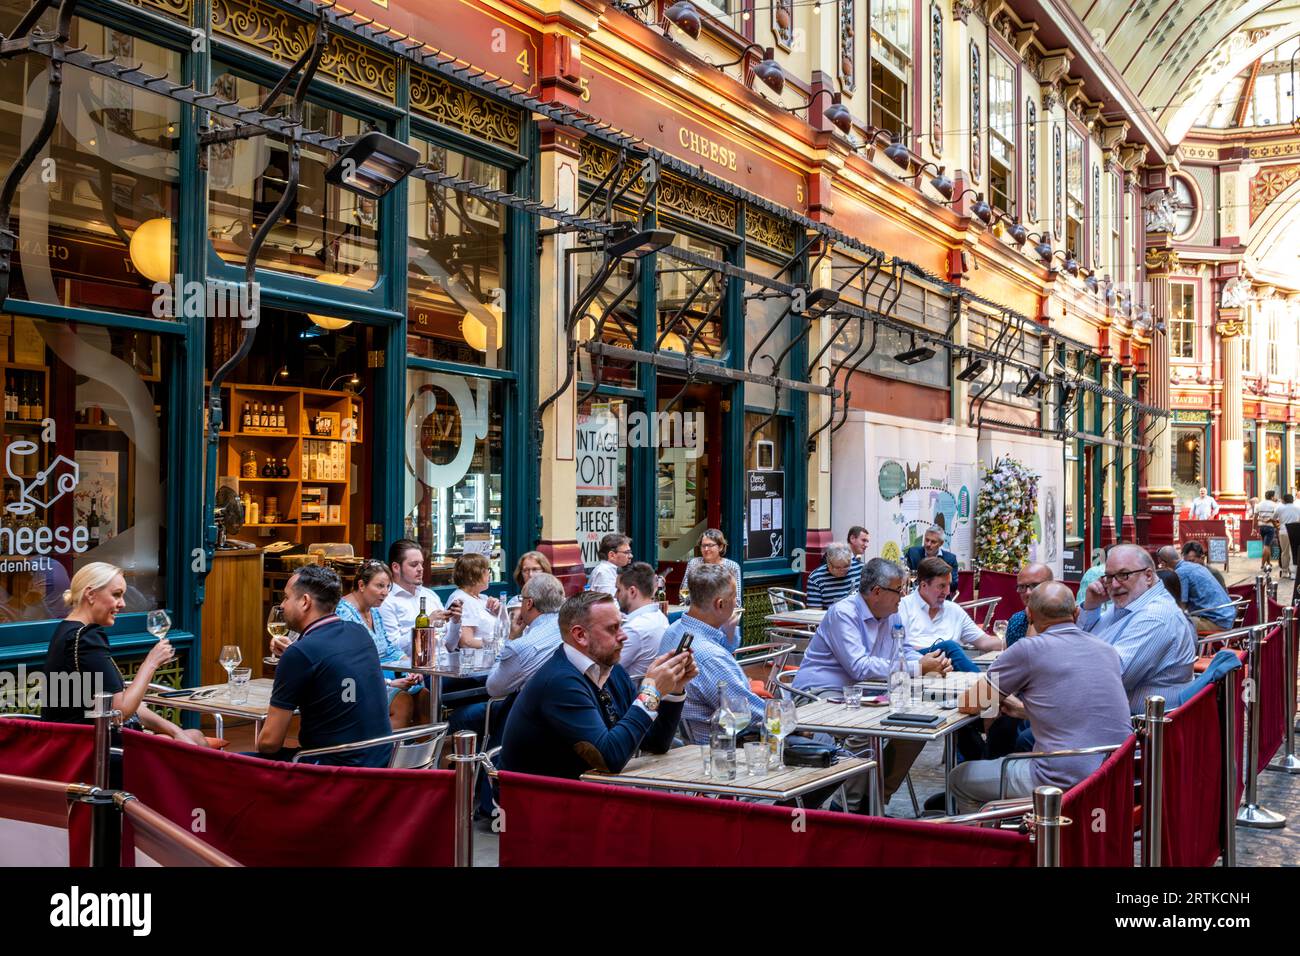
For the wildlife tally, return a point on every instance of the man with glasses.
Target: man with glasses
(1030, 576)
(581, 711)
(855, 642)
(931, 546)
(1155, 640)
(834, 580)
(615, 554)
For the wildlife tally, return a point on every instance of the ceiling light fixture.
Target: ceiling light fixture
(915, 354)
(766, 69)
(372, 164)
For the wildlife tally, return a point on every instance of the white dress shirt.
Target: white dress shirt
(401, 608)
(1202, 509)
(603, 578)
(644, 627)
(951, 624)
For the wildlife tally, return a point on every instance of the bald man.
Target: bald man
(1067, 683)
(1030, 576)
(1155, 640)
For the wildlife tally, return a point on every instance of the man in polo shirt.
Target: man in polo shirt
(931, 546)
(643, 622)
(933, 623)
(834, 580)
(330, 675)
(1203, 596)
(1066, 683)
(402, 606)
(711, 622)
(615, 554)
(1155, 640)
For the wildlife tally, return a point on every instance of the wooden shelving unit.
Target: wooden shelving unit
(304, 451)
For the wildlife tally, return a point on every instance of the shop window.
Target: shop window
(1273, 473)
(1182, 320)
(766, 515)
(604, 501)
(764, 309)
(686, 323)
(96, 214)
(1074, 212)
(454, 447)
(689, 439)
(85, 442)
(891, 64)
(455, 267)
(1002, 134)
(1189, 461)
(615, 311)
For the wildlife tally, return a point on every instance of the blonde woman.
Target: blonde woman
(80, 648)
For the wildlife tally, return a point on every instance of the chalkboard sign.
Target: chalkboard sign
(765, 514)
(1072, 563)
(1218, 548)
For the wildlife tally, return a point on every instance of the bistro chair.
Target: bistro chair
(415, 755)
(988, 605)
(1048, 755)
(786, 599)
(771, 656)
(797, 636)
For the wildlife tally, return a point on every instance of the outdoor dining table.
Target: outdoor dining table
(405, 666)
(215, 699)
(985, 661)
(930, 695)
(682, 769)
(804, 617)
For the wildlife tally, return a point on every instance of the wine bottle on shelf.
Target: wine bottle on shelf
(284, 469)
(92, 524)
(247, 420)
(38, 400)
(263, 421)
(279, 417)
(11, 401)
(268, 470)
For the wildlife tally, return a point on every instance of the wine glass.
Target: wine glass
(158, 623)
(779, 721)
(230, 657)
(1000, 631)
(276, 625)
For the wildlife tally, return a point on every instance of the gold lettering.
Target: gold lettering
(681, 138)
(712, 150)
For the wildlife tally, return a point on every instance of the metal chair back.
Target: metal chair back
(797, 636)
(988, 605)
(786, 599)
(772, 656)
(410, 758)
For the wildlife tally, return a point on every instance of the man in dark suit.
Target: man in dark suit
(581, 711)
(932, 547)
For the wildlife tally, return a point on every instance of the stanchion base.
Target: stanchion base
(1259, 818)
(1287, 763)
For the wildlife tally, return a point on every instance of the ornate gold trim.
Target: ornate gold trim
(675, 194)
(764, 228)
(283, 36)
(180, 9)
(443, 102)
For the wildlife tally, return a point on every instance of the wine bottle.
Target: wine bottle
(92, 524)
(247, 420)
(279, 417)
(421, 645)
(268, 470)
(264, 418)
(284, 469)
(11, 401)
(38, 399)
(24, 409)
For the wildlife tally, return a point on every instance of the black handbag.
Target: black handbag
(809, 754)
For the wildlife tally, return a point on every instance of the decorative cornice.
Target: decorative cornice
(768, 230)
(1161, 260)
(179, 9)
(1269, 183)
(443, 102)
(676, 195)
(962, 9)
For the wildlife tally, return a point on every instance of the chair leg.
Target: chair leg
(911, 792)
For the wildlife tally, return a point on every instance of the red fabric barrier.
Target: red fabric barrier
(61, 752)
(965, 585)
(1193, 764)
(264, 813)
(1101, 811)
(1248, 592)
(998, 584)
(1271, 680)
(552, 822)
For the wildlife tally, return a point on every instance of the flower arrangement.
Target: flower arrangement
(1004, 517)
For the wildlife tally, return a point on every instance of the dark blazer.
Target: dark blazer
(557, 727)
(916, 554)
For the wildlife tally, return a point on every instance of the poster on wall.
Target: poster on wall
(478, 537)
(597, 454)
(96, 493)
(764, 514)
(594, 524)
(915, 494)
(1046, 548)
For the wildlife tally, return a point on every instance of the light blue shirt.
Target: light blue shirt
(1201, 592)
(1155, 641)
(524, 656)
(713, 656)
(851, 645)
(388, 650)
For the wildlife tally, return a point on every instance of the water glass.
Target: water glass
(239, 678)
(1000, 631)
(707, 756)
(722, 747)
(852, 695)
(756, 757)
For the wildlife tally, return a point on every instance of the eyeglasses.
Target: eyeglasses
(627, 553)
(901, 592)
(607, 705)
(1122, 576)
(1022, 588)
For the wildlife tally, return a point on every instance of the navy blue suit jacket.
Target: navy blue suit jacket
(557, 726)
(916, 554)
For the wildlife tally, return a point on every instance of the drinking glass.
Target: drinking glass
(158, 623)
(778, 721)
(707, 756)
(1000, 631)
(852, 696)
(756, 758)
(738, 703)
(239, 678)
(276, 625)
(722, 748)
(230, 658)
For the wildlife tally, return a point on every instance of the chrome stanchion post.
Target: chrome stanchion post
(1153, 780)
(1047, 825)
(1251, 814)
(1288, 762)
(105, 822)
(1228, 778)
(1261, 600)
(465, 758)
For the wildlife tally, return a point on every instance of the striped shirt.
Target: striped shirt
(713, 657)
(1155, 640)
(824, 589)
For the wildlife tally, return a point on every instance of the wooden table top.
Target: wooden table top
(986, 659)
(683, 769)
(215, 699)
(837, 720)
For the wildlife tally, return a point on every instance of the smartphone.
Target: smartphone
(176, 693)
(920, 720)
(685, 643)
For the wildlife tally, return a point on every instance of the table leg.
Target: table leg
(949, 762)
(876, 784)
(435, 700)
(220, 723)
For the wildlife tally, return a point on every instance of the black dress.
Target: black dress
(77, 668)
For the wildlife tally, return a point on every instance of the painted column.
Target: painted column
(1232, 475)
(1158, 495)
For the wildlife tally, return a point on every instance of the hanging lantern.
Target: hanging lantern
(474, 329)
(151, 250)
(363, 278)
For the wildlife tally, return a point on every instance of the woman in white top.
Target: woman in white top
(713, 550)
(478, 615)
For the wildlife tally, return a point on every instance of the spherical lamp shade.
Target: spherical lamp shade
(329, 322)
(475, 330)
(151, 250)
